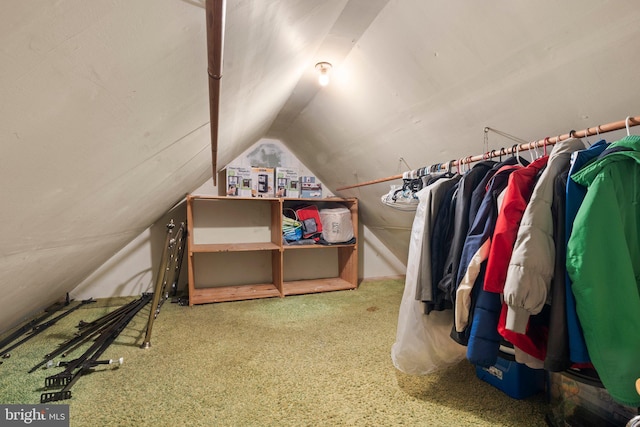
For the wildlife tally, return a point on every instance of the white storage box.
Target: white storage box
(337, 226)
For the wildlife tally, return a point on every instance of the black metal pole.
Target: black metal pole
(43, 327)
(30, 325)
(67, 378)
(97, 327)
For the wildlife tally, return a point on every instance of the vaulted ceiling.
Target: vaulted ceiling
(104, 120)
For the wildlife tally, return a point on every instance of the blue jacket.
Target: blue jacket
(478, 236)
(575, 195)
(484, 339)
(469, 182)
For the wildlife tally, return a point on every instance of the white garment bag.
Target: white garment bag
(423, 344)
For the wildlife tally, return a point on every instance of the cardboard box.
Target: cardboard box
(262, 182)
(287, 182)
(234, 181)
(309, 189)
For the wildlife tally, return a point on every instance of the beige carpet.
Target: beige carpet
(308, 360)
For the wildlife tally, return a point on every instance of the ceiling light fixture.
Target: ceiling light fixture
(323, 70)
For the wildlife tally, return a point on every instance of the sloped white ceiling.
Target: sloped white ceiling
(427, 77)
(104, 121)
(104, 110)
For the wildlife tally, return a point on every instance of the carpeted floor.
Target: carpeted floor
(308, 360)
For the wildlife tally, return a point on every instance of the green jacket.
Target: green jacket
(603, 261)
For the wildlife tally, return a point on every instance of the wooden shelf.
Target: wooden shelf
(238, 224)
(232, 293)
(234, 247)
(299, 287)
(316, 246)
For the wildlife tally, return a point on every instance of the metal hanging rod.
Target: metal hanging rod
(609, 127)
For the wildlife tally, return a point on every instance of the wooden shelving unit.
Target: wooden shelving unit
(253, 226)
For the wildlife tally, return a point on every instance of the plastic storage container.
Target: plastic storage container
(578, 400)
(513, 378)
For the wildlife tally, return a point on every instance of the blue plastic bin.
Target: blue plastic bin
(513, 378)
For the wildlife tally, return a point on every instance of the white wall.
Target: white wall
(375, 259)
(134, 268)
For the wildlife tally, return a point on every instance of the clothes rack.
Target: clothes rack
(609, 127)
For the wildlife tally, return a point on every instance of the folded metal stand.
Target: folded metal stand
(168, 274)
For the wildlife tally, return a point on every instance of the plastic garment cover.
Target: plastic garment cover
(422, 342)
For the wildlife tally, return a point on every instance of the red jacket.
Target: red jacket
(516, 198)
(517, 194)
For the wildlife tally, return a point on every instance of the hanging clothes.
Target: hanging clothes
(440, 248)
(603, 262)
(532, 260)
(438, 190)
(469, 182)
(474, 203)
(422, 341)
(564, 327)
(475, 253)
(518, 193)
(575, 194)
(530, 347)
(557, 350)
(484, 351)
(482, 338)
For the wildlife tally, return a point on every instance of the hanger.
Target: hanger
(536, 145)
(448, 173)
(411, 184)
(531, 150)
(464, 162)
(586, 136)
(460, 164)
(492, 154)
(515, 150)
(544, 145)
(598, 132)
